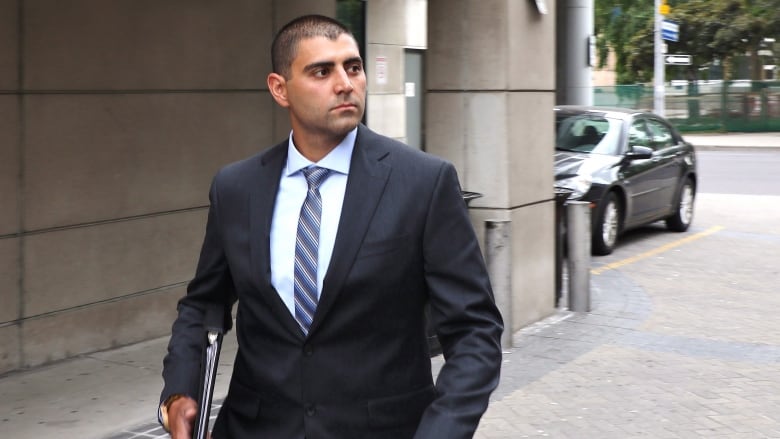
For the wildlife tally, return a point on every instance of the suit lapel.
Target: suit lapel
(261, 208)
(368, 176)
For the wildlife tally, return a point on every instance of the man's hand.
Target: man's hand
(181, 417)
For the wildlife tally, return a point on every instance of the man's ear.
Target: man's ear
(277, 85)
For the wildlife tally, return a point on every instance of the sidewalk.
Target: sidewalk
(604, 374)
(113, 393)
(718, 141)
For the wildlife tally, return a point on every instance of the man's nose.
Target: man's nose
(344, 82)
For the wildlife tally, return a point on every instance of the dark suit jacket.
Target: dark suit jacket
(364, 370)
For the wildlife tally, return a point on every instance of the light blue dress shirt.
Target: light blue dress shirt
(292, 193)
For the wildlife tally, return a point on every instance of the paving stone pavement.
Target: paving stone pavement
(607, 374)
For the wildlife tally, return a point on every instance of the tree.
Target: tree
(699, 22)
(616, 22)
(709, 30)
(703, 28)
(760, 19)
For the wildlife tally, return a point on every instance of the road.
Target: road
(737, 191)
(739, 172)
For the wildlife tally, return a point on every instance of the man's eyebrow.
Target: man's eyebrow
(331, 64)
(318, 65)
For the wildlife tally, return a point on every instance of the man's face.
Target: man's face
(326, 90)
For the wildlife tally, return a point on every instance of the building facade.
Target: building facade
(117, 114)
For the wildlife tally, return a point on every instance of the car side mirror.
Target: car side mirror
(638, 152)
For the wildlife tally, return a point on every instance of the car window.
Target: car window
(587, 133)
(637, 134)
(660, 134)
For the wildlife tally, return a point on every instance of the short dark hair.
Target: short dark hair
(285, 44)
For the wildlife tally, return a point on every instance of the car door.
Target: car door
(644, 178)
(667, 159)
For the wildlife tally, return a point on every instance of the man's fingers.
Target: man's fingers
(181, 416)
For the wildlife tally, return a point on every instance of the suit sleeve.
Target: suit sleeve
(463, 311)
(212, 286)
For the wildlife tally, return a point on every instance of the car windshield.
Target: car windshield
(590, 133)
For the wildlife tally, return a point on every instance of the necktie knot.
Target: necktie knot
(315, 176)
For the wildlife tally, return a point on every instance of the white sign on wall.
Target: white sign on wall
(592, 51)
(381, 70)
(410, 89)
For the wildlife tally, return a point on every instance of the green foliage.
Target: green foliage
(709, 30)
(616, 22)
(704, 27)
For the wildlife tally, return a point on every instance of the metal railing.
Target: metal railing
(705, 105)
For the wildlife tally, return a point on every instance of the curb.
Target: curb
(735, 148)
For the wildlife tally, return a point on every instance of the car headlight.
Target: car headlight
(579, 185)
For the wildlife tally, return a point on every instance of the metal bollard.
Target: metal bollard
(498, 244)
(578, 241)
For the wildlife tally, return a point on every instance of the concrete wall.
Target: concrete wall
(391, 27)
(491, 90)
(115, 117)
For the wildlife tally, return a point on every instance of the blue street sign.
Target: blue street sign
(670, 30)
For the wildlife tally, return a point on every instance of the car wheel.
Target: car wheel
(683, 214)
(607, 225)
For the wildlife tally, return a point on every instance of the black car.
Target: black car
(632, 166)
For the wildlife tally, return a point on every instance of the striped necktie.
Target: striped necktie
(306, 247)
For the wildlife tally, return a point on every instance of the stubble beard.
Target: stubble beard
(341, 125)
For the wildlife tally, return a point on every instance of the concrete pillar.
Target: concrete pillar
(490, 91)
(659, 68)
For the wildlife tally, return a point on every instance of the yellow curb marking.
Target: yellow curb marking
(656, 251)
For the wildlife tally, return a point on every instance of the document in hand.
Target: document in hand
(214, 330)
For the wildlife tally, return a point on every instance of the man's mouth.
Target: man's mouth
(345, 106)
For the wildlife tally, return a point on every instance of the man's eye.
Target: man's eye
(321, 73)
(356, 68)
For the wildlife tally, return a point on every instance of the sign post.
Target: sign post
(658, 60)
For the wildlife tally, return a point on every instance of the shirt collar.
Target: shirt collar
(337, 160)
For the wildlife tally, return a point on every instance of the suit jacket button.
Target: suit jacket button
(310, 410)
(307, 350)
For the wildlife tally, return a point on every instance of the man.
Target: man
(332, 337)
